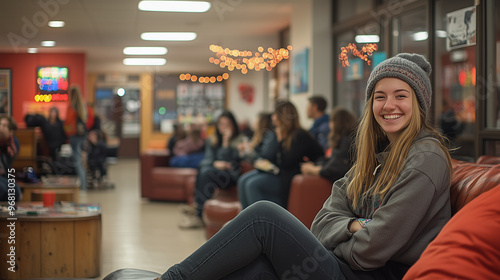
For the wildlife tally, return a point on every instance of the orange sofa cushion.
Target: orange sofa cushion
(468, 247)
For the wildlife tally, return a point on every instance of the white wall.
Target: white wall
(301, 38)
(260, 82)
(311, 28)
(241, 109)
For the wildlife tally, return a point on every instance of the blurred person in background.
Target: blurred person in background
(9, 148)
(220, 168)
(339, 157)
(79, 120)
(320, 128)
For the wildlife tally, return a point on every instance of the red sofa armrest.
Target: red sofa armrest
(307, 196)
(149, 160)
(484, 159)
(470, 180)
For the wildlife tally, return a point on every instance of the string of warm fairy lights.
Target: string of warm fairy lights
(203, 79)
(247, 60)
(366, 51)
(240, 60)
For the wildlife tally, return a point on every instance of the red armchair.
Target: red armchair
(161, 182)
(307, 195)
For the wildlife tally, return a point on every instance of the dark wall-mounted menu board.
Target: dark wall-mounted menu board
(185, 102)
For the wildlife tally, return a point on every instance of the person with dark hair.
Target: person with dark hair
(320, 128)
(294, 143)
(53, 132)
(220, 168)
(9, 148)
(178, 134)
(96, 149)
(339, 157)
(189, 151)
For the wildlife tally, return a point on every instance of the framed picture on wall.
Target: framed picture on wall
(6, 91)
(300, 71)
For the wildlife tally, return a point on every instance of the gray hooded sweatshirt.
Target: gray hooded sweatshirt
(407, 219)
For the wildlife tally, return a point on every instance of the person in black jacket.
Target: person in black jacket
(52, 130)
(294, 144)
(96, 156)
(339, 156)
(219, 169)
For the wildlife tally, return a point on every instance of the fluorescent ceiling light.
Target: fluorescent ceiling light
(56, 23)
(168, 36)
(441, 33)
(420, 36)
(32, 50)
(48, 43)
(144, 61)
(145, 50)
(175, 6)
(367, 39)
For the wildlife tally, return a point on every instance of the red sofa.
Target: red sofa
(162, 182)
(308, 193)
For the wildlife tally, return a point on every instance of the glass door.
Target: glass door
(455, 74)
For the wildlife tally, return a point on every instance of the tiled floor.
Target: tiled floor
(138, 233)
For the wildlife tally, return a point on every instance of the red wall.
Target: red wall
(24, 67)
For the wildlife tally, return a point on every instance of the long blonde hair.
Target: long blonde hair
(369, 138)
(77, 103)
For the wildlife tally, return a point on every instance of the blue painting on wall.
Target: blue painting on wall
(300, 76)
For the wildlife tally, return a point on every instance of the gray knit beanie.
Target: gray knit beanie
(411, 68)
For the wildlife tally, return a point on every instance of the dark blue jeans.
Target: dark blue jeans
(257, 185)
(208, 180)
(263, 242)
(76, 157)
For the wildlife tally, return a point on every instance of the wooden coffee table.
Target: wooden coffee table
(62, 183)
(51, 242)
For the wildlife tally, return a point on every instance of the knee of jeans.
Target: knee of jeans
(264, 208)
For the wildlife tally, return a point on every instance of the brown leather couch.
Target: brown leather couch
(308, 193)
(469, 180)
(162, 182)
(159, 181)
